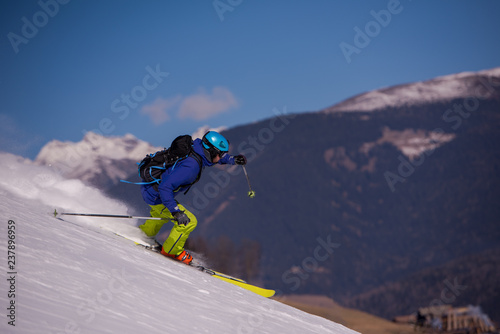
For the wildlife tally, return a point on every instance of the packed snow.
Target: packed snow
(80, 278)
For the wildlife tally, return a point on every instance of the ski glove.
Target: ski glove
(181, 218)
(240, 160)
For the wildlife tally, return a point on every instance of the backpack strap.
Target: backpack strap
(138, 183)
(155, 180)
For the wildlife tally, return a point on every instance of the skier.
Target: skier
(212, 149)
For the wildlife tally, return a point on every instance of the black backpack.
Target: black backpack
(154, 165)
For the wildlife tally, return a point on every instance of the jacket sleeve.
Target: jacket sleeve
(227, 159)
(182, 174)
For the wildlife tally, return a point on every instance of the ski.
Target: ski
(250, 287)
(223, 277)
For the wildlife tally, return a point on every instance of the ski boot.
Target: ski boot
(183, 257)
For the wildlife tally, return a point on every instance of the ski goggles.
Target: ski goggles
(212, 149)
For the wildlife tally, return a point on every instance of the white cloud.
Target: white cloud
(158, 110)
(202, 105)
(198, 106)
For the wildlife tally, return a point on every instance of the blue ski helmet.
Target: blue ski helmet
(215, 144)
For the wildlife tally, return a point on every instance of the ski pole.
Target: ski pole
(104, 215)
(251, 193)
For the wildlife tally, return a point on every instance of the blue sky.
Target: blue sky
(158, 69)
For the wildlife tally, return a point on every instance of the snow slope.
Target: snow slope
(83, 279)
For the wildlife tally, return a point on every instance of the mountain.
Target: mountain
(351, 201)
(446, 88)
(360, 200)
(97, 160)
(72, 277)
(459, 279)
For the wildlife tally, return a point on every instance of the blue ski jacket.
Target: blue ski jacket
(177, 178)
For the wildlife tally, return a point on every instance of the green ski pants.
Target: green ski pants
(179, 233)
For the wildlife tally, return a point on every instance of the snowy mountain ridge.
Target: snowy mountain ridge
(103, 161)
(78, 277)
(99, 160)
(96, 159)
(444, 88)
(94, 146)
